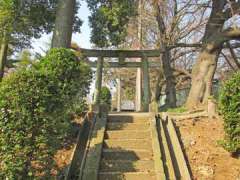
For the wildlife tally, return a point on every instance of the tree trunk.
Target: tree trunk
(64, 24)
(202, 76)
(156, 93)
(171, 99)
(3, 56)
(204, 69)
(170, 91)
(158, 88)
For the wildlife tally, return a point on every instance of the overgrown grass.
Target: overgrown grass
(180, 109)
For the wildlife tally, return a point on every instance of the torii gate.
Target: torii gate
(122, 55)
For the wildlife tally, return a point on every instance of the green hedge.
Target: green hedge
(230, 109)
(106, 97)
(34, 103)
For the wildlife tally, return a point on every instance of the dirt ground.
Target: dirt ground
(208, 161)
(64, 154)
(63, 159)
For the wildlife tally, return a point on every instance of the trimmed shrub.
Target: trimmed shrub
(106, 97)
(230, 109)
(34, 104)
(73, 77)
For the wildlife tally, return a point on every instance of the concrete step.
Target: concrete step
(111, 154)
(126, 176)
(126, 166)
(130, 144)
(127, 134)
(128, 119)
(128, 126)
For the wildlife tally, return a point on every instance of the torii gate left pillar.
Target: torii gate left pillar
(98, 83)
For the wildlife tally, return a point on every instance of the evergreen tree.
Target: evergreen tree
(109, 20)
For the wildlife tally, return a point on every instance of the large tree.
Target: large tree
(212, 43)
(170, 91)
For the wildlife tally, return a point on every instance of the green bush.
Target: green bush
(106, 97)
(75, 81)
(34, 104)
(230, 109)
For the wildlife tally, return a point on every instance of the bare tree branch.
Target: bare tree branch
(228, 61)
(233, 55)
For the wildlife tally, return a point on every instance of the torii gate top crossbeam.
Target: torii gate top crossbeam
(132, 53)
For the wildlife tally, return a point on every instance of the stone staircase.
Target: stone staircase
(127, 151)
(129, 146)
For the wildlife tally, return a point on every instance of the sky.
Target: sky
(82, 39)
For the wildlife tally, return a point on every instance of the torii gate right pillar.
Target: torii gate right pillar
(146, 84)
(138, 91)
